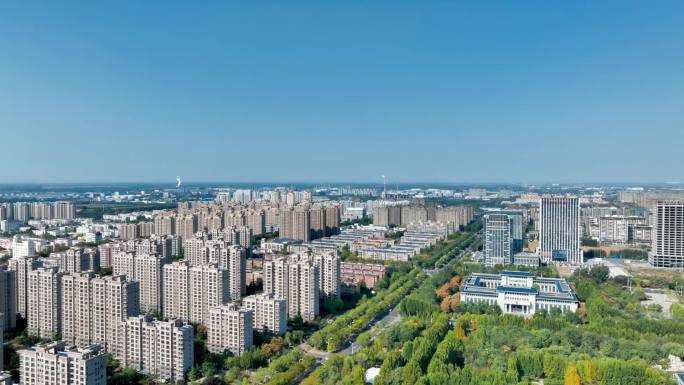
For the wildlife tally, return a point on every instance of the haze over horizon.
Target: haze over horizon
(314, 92)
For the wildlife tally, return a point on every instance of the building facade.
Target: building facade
(668, 235)
(44, 302)
(269, 313)
(230, 328)
(560, 232)
(8, 298)
(164, 349)
(519, 293)
(498, 242)
(57, 364)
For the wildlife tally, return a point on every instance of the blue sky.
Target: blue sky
(479, 91)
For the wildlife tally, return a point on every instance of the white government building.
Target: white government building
(519, 292)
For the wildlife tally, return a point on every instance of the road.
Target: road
(389, 319)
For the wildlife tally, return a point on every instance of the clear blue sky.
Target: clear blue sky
(478, 91)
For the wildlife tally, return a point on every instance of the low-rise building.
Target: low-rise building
(353, 274)
(526, 259)
(519, 292)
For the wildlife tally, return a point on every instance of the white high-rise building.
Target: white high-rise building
(668, 234)
(55, 364)
(236, 266)
(329, 265)
(8, 298)
(189, 291)
(93, 307)
(64, 210)
(44, 302)
(270, 314)
(23, 247)
(176, 289)
(209, 287)
(22, 266)
(164, 349)
(229, 329)
(123, 263)
(148, 271)
(498, 245)
(559, 230)
(295, 281)
(303, 295)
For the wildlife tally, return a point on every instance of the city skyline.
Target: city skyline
(530, 93)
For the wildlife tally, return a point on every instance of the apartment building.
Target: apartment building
(22, 266)
(145, 269)
(229, 329)
(44, 302)
(269, 313)
(330, 270)
(56, 363)
(189, 291)
(163, 349)
(92, 307)
(8, 298)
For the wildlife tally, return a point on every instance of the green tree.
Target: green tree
(208, 369)
(512, 374)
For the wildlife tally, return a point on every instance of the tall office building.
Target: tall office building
(163, 349)
(559, 231)
(93, 307)
(498, 245)
(44, 302)
(8, 298)
(229, 329)
(270, 314)
(668, 234)
(56, 364)
(22, 266)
